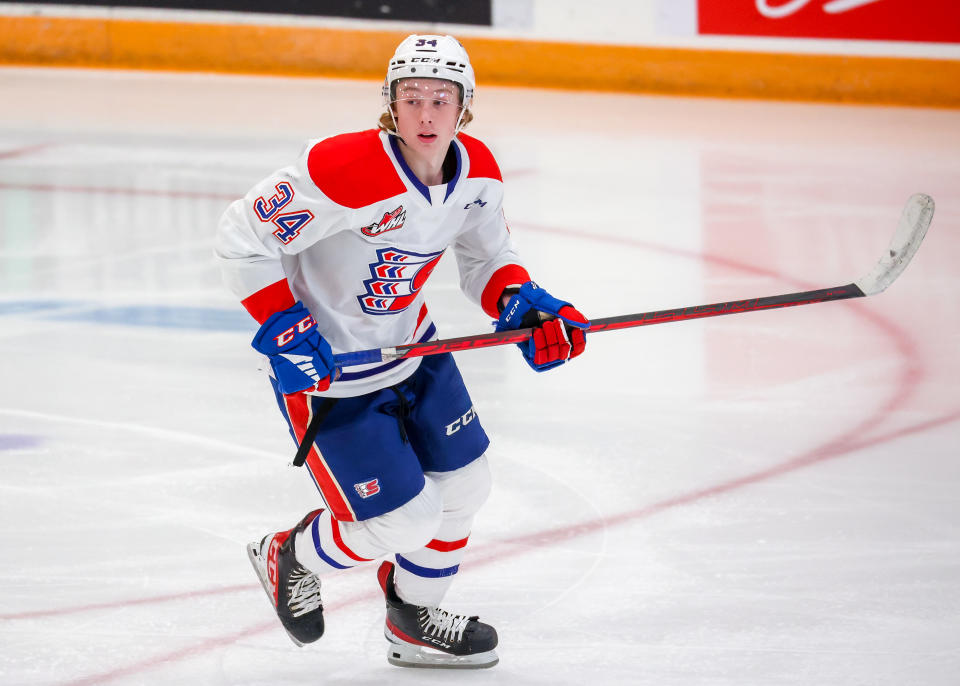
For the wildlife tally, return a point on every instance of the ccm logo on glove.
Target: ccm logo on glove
(302, 326)
(300, 358)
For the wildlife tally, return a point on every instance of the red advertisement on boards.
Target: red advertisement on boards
(898, 20)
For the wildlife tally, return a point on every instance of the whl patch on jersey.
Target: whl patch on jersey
(367, 488)
(391, 222)
(398, 277)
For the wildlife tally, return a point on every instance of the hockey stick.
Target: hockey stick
(913, 225)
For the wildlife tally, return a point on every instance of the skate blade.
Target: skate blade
(407, 655)
(260, 567)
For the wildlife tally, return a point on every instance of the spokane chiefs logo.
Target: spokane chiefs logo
(398, 277)
(391, 222)
(367, 488)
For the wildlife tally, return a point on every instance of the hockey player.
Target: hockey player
(330, 254)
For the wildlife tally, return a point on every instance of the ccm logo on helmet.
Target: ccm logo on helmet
(461, 421)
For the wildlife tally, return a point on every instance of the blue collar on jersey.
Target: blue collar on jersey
(424, 191)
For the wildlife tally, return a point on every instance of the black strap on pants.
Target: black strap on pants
(403, 411)
(310, 434)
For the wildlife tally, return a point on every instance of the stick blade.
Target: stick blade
(914, 222)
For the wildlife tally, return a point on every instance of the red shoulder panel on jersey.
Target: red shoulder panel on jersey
(353, 170)
(269, 300)
(482, 164)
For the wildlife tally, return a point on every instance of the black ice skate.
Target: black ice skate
(430, 637)
(294, 590)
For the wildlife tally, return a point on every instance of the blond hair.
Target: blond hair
(387, 123)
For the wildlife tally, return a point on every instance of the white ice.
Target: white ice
(765, 498)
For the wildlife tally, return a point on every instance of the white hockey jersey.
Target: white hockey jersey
(350, 230)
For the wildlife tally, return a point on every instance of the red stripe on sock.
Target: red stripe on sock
(338, 539)
(447, 546)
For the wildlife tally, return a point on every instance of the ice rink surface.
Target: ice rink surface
(766, 498)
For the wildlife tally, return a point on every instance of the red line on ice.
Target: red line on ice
(911, 374)
(173, 656)
(34, 614)
(50, 188)
(24, 151)
(204, 646)
(829, 451)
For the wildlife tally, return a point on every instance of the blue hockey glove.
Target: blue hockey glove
(559, 330)
(301, 359)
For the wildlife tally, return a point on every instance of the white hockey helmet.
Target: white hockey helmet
(431, 57)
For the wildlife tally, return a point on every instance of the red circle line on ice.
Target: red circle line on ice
(910, 374)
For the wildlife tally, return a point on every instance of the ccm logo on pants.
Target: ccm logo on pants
(461, 422)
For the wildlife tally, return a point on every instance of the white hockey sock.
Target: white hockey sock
(328, 545)
(423, 576)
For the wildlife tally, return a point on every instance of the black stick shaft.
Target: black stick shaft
(625, 321)
(731, 307)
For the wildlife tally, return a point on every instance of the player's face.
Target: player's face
(427, 111)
